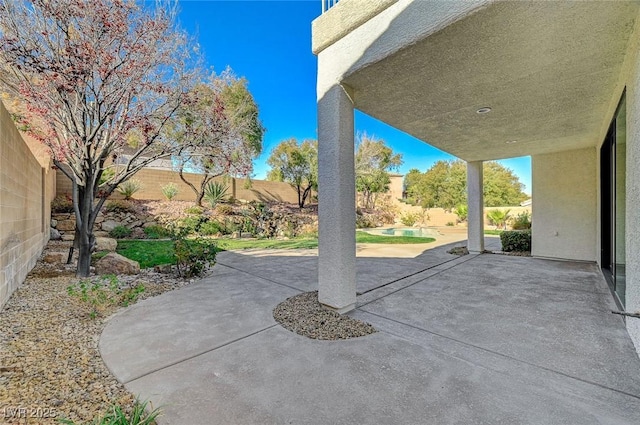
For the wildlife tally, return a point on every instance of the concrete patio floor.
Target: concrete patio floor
(478, 339)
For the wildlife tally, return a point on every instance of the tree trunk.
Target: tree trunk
(84, 238)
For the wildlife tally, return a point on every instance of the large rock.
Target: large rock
(106, 244)
(54, 235)
(113, 263)
(68, 237)
(109, 225)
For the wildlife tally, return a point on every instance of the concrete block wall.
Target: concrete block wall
(152, 181)
(26, 189)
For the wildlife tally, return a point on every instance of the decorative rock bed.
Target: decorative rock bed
(304, 315)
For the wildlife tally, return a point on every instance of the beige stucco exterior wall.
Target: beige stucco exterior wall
(26, 189)
(565, 195)
(633, 191)
(152, 181)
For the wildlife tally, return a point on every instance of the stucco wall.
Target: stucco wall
(564, 214)
(26, 189)
(633, 195)
(153, 180)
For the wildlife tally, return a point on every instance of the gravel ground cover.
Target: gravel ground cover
(304, 315)
(50, 366)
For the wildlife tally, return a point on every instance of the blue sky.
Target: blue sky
(269, 43)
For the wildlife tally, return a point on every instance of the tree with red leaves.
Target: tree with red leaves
(98, 82)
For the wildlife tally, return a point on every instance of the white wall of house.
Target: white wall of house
(633, 196)
(564, 221)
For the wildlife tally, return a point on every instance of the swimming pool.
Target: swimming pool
(420, 232)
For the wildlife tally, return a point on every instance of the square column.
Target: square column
(475, 205)
(336, 201)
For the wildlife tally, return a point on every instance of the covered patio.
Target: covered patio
(481, 338)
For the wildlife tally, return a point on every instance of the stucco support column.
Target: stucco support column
(475, 203)
(336, 201)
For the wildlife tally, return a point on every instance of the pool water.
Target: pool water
(420, 232)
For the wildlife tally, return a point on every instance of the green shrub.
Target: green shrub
(450, 223)
(119, 206)
(116, 416)
(212, 228)
(120, 232)
(194, 256)
(189, 225)
(409, 219)
(156, 232)
(107, 175)
(62, 204)
(170, 190)
(106, 292)
(522, 221)
(194, 209)
(462, 211)
(129, 188)
(214, 192)
(516, 240)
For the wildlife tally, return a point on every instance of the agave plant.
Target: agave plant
(170, 190)
(128, 188)
(214, 192)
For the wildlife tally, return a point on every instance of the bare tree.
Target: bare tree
(98, 80)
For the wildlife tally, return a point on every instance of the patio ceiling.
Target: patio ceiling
(547, 70)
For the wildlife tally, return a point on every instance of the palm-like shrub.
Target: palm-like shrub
(499, 218)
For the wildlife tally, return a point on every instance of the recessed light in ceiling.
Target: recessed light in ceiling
(483, 110)
(511, 141)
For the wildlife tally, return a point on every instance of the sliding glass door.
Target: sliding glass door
(613, 172)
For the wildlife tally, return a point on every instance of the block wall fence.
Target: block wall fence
(27, 186)
(152, 181)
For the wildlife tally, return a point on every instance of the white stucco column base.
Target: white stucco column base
(336, 201)
(475, 205)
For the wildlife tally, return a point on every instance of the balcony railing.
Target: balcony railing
(328, 4)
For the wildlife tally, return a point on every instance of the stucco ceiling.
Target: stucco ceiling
(548, 70)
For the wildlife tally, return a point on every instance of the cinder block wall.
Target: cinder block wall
(26, 189)
(153, 180)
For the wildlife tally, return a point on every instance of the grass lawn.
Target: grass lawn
(150, 253)
(492, 232)
(363, 237)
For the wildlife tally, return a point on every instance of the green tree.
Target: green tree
(297, 164)
(501, 186)
(444, 185)
(219, 130)
(373, 161)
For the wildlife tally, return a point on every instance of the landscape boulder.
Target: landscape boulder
(113, 263)
(106, 244)
(109, 225)
(54, 235)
